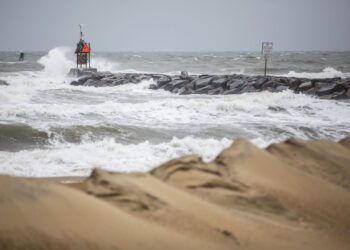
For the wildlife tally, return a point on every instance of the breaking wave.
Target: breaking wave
(59, 61)
(328, 72)
(15, 137)
(50, 128)
(80, 159)
(55, 63)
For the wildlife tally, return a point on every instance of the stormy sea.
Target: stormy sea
(49, 128)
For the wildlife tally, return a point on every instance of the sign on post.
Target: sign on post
(266, 51)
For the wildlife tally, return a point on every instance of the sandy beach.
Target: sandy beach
(290, 195)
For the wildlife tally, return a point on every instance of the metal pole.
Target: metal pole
(265, 65)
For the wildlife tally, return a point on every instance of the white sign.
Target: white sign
(266, 48)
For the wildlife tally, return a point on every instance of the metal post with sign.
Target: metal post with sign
(266, 51)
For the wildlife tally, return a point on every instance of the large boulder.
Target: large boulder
(339, 95)
(320, 84)
(235, 84)
(260, 82)
(273, 83)
(202, 82)
(219, 82)
(305, 86)
(91, 82)
(175, 84)
(294, 83)
(163, 80)
(329, 89)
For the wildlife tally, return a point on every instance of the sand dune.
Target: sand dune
(291, 195)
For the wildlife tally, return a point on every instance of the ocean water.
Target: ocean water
(49, 128)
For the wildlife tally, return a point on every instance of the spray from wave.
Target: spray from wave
(59, 61)
(56, 63)
(328, 72)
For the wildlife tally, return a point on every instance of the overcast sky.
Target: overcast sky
(176, 25)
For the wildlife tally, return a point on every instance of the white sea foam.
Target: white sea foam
(285, 111)
(78, 160)
(45, 100)
(328, 72)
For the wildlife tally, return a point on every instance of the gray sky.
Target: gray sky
(178, 25)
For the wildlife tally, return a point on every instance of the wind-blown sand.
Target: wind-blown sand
(291, 195)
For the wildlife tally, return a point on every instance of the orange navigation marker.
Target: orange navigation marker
(85, 49)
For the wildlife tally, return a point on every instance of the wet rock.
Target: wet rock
(91, 82)
(106, 80)
(216, 91)
(82, 80)
(305, 86)
(99, 75)
(75, 83)
(333, 87)
(320, 84)
(184, 84)
(3, 83)
(232, 91)
(326, 97)
(326, 80)
(270, 89)
(163, 80)
(118, 82)
(274, 83)
(202, 82)
(203, 90)
(235, 84)
(248, 89)
(220, 82)
(294, 83)
(175, 84)
(311, 91)
(283, 80)
(183, 91)
(346, 84)
(339, 95)
(189, 86)
(260, 82)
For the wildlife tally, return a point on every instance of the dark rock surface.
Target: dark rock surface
(2, 82)
(184, 84)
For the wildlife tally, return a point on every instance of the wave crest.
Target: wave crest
(328, 72)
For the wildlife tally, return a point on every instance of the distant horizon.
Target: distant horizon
(176, 26)
(177, 51)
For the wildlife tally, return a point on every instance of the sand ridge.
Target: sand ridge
(291, 195)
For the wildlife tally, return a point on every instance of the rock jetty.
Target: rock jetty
(184, 84)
